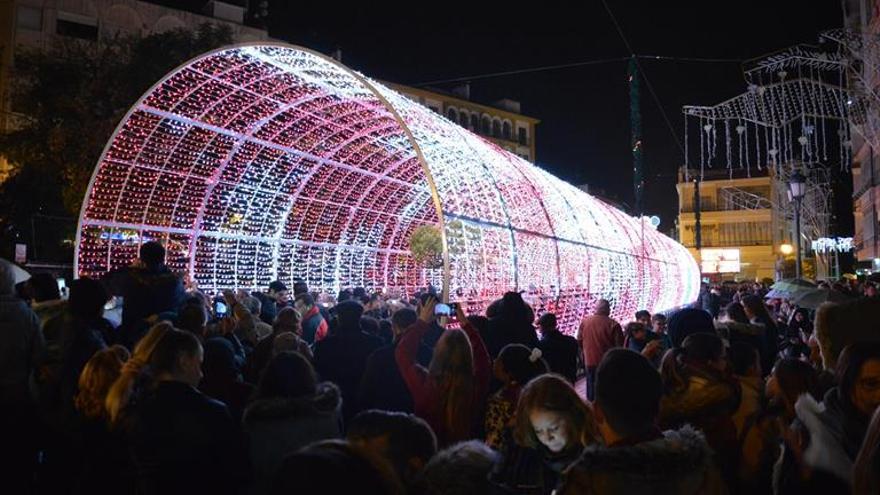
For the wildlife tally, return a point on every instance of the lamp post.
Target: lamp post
(797, 189)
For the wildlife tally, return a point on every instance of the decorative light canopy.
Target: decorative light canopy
(263, 162)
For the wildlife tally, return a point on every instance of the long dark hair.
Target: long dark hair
(522, 363)
(795, 378)
(850, 363)
(757, 307)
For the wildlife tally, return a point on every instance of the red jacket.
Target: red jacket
(598, 334)
(424, 390)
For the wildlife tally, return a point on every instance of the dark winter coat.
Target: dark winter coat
(560, 351)
(522, 470)
(278, 426)
(709, 403)
(104, 463)
(21, 348)
(382, 386)
(70, 343)
(145, 292)
(679, 462)
(268, 307)
(183, 442)
(341, 358)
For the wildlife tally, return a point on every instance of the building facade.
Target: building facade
(37, 24)
(737, 226)
(502, 124)
(864, 16)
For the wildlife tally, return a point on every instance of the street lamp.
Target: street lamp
(786, 249)
(797, 189)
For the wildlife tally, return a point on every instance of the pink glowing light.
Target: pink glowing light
(263, 162)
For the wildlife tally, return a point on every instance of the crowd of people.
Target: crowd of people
(272, 392)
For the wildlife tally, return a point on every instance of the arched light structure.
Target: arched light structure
(265, 161)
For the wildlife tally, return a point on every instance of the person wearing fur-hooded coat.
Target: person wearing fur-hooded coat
(285, 418)
(679, 461)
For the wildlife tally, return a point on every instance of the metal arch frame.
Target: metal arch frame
(417, 128)
(438, 206)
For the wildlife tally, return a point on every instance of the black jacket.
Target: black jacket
(184, 442)
(522, 470)
(560, 351)
(382, 386)
(278, 426)
(145, 291)
(341, 358)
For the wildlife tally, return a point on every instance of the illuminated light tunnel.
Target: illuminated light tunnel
(261, 162)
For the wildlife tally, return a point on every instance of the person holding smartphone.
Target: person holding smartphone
(447, 393)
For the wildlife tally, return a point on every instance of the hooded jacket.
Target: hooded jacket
(708, 403)
(679, 462)
(278, 426)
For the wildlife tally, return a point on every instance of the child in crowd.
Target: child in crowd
(515, 365)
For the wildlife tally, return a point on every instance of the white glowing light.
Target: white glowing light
(268, 161)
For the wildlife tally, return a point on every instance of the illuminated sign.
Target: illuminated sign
(720, 260)
(824, 245)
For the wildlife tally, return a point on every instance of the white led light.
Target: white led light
(266, 161)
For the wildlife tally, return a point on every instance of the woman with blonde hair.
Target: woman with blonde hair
(102, 453)
(449, 394)
(123, 388)
(99, 374)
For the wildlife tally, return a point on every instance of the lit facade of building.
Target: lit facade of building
(267, 162)
(864, 16)
(502, 124)
(37, 24)
(735, 215)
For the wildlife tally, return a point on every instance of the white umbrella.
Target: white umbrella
(20, 274)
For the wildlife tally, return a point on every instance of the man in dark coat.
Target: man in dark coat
(342, 357)
(382, 386)
(147, 288)
(635, 456)
(183, 442)
(559, 350)
(272, 301)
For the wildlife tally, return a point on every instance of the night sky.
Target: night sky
(583, 136)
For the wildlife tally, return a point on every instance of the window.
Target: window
(30, 18)
(521, 136)
(486, 126)
(76, 26)
(452, 115)
(505, 131)
(463, 120)
(434, 109)
(496, 128)
(475, 122)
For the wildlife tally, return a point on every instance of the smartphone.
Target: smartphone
(220, 309)
(442, 309)
(62, 285)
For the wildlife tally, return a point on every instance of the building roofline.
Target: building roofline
(462, 101)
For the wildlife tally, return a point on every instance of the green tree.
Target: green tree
(70, 99)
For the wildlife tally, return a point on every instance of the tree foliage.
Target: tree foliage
(70, 99)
